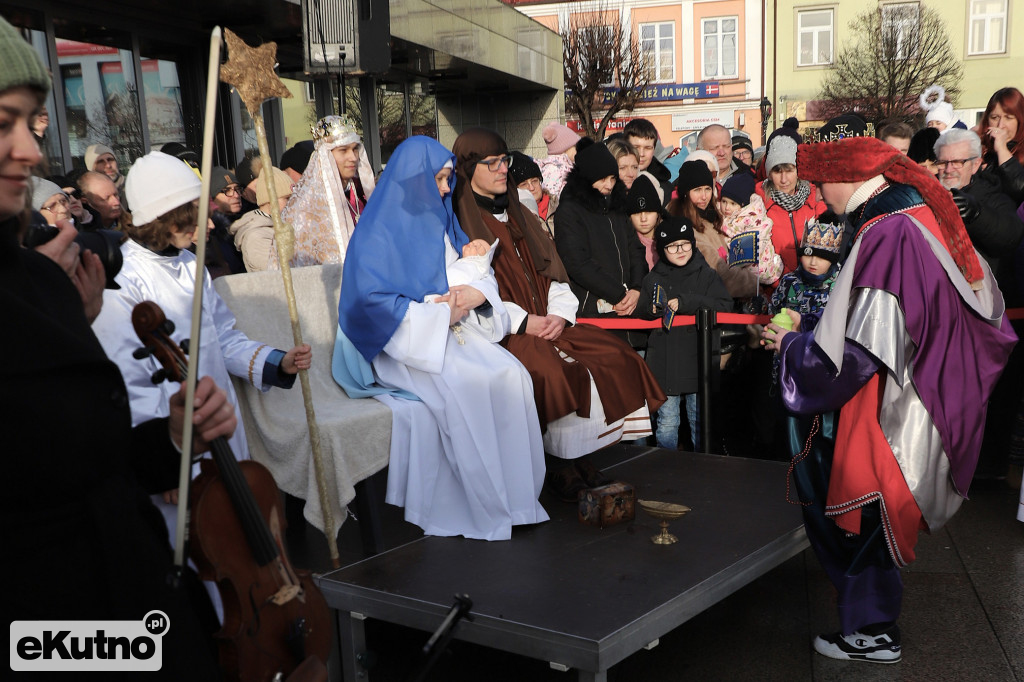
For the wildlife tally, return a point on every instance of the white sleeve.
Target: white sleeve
(243, 357)
(420, 339)
(516, 316)
(562, 302)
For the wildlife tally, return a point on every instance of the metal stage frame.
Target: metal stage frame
(578, 596)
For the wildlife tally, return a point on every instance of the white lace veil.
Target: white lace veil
(318, 210)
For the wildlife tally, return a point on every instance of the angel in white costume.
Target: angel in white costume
(467, 456)
(329, 198)
(159, 268)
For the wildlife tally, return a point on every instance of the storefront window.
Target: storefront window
(100, 100)
(163, 102)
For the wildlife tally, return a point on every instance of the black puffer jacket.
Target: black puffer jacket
(996, 232)
(1010, 176)
(597, 243)
(672, 355)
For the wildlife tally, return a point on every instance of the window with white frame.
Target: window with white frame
(987, 27)
(814, 37)
(901, 25)
(719, 36)
(657, 44)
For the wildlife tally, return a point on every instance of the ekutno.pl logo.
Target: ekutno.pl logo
(89, 645)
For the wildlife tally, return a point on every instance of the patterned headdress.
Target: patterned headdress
(335, 131)
(823, 237)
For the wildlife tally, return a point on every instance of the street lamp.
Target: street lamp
(766, 113)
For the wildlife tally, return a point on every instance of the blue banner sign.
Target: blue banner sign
(663, 92)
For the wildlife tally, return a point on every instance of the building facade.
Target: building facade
(804, 38)
(705, 57)
(132, 75)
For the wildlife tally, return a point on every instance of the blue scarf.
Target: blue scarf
(396, 254)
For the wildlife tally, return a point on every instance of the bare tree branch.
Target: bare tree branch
(605, 71)
(895, 54)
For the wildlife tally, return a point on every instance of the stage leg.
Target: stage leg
(590, 676)
(352, 645)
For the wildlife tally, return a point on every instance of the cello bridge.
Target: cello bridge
(285, 594)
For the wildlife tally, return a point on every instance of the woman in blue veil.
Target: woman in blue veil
(423, 309)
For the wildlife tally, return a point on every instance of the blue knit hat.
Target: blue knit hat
(739, 187)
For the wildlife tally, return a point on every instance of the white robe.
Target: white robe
(169, 281)
(467, 460)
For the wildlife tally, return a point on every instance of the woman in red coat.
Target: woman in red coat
(790, 201)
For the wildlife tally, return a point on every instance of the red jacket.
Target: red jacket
(788, 228)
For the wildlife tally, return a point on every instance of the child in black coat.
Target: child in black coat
(689, 284)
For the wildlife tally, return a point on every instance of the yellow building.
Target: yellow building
(804, 37)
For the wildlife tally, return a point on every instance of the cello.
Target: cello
(275, 619)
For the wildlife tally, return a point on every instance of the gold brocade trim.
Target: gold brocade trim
(252, 363)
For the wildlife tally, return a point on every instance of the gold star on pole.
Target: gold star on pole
(250, 70)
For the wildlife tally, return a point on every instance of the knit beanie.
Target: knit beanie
(42, 190)
(672, 229)
(644, 196)
(780, 150)
(941, 112)
(705, 156)
(159, 183)
(823, 237)
(558, 138)
(297, 156)
(282, 185)
(95, 151)
(922, 145)
(180, 151)
(790, 128)
(245, 173)
(596, 163)
(742, 142)
(739, 187)
(523, 168)
(693, 174)
(21, 65)
(220, 177)
(858, 159)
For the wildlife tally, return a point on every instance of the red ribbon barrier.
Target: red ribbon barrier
(721, 318)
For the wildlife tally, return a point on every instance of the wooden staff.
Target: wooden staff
(185, 470)
(251, 72)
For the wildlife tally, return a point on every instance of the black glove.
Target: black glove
(968, 206)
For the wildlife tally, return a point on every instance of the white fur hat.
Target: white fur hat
(942, 112)
(158, 183)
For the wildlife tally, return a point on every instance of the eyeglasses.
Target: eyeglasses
(231, 190)
(678, 248)
(56, 205)
(494, 165)
(955, 164)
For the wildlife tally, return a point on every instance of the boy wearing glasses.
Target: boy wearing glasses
(680, 283)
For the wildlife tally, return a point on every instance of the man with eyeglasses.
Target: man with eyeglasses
(908, 349)
(991, 219)
(606, 393)
(989, 215)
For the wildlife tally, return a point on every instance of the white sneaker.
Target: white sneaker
(857, 646)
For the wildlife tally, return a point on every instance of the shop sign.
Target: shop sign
(701, 120)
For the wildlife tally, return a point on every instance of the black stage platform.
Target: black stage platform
(582, 597)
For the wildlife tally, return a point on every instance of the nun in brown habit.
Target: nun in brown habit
(592, 389)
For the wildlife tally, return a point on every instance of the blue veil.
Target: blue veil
(396, 254)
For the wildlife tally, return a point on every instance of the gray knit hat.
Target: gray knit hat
(43, 189)
(21, 63)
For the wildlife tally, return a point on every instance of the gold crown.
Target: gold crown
(822, 236)
(334, 128)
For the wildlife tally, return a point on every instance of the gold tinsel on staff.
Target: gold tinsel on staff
(250, 70)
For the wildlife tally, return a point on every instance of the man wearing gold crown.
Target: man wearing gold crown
(327, 201)
(908, 349)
